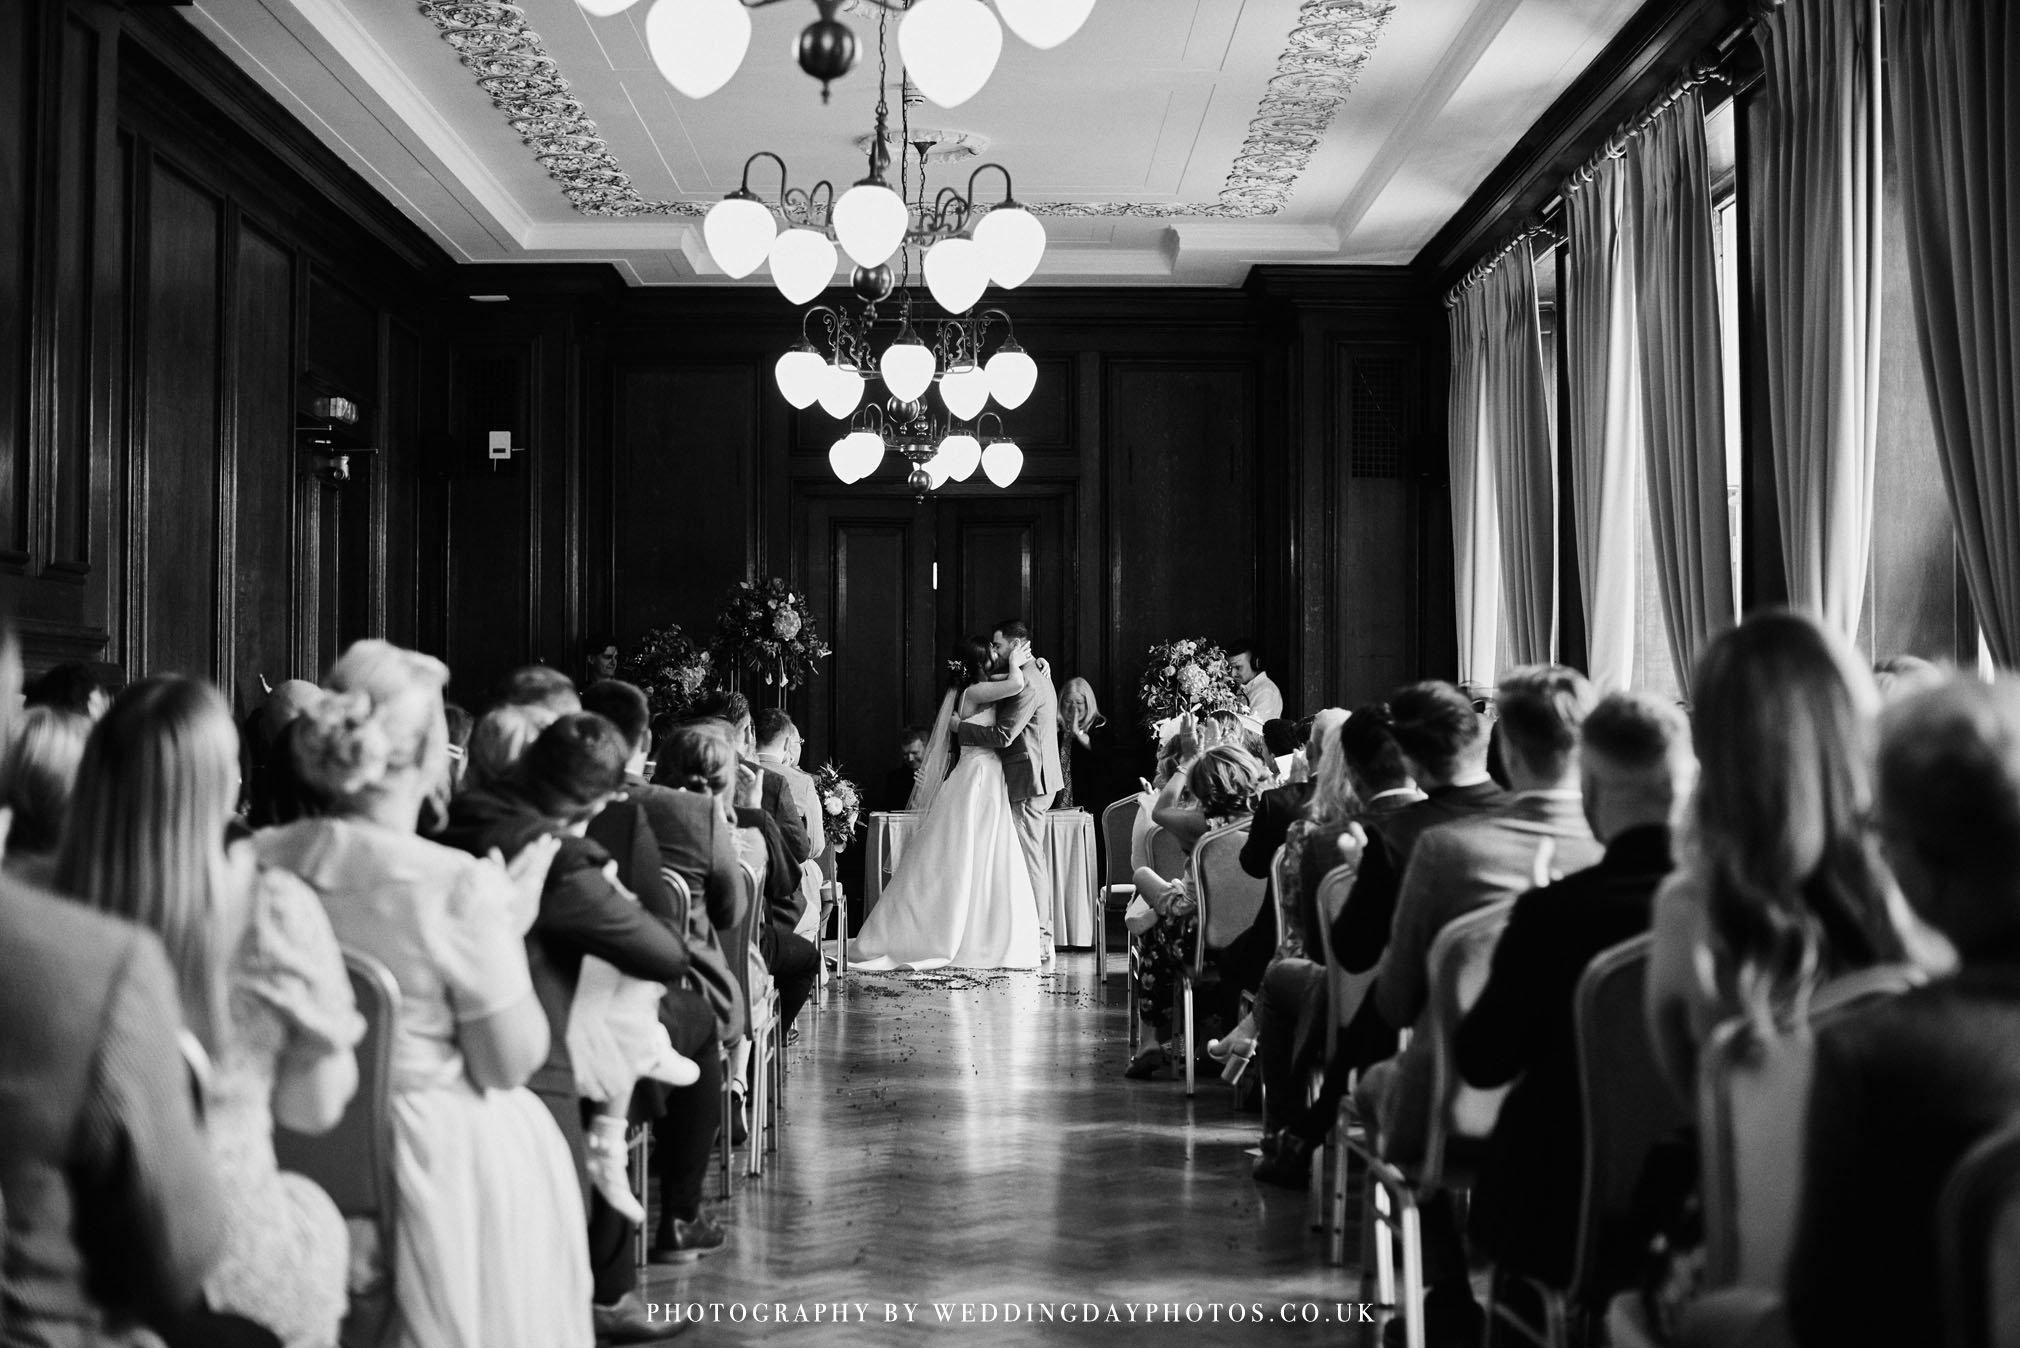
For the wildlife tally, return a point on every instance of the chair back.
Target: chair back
(1344, 991)
(1118, 826)
(1752, 1102)
(1628, 1108)
(353, 1162)
(1167, 853)
(1978, 1240)
(1285, 891)
(1461, 958)
(1229, 897)
(826, 861)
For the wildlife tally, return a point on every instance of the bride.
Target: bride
(962, 892)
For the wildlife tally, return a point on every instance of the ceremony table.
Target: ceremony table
(1069, 846)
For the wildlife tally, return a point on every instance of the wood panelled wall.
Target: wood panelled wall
(183, 267)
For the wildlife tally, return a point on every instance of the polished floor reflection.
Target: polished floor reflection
(976, 1146)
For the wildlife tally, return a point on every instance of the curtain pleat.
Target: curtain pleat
(1956, 123)
(1683, 415)
(1524, 457)
(1476, 537)
(1604, 411)
(1815, 202)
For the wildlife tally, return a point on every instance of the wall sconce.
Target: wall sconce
(329, 433)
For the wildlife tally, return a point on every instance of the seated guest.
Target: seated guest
(497, 740)
(537, 686)
(113, 1214)
(688, 832)
(459, 723)
(260, 734)
(1259, 688)
(896, 790)
(778, 745)
(1903, 1088)
(1896, 676)
(1284, 742)
(1778, 886)
(1223, 784)
(37, 772)
(733, 710)
(562, 781)
(261, 982)
(488, 1195)
(1539, 834)
(1634, 764)
(74, 687)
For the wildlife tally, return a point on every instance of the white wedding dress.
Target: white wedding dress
(961, 895)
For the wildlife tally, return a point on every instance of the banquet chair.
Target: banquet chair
(1978, 1235)
(1460, 1119)
(353, 1162)
(1627, 1109)
(763, 1080)
(1229, 899)
(1344, 994)
(835, 909)
(1118, 825)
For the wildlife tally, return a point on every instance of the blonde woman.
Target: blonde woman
(37, 772)
(1778, 886)
(261, 979)
(489, 1250)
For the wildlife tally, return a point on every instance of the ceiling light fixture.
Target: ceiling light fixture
(950, 46)
(938, 449)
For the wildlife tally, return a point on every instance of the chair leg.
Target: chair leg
(1410, 1238)
(1129, 980)
(724, 1144)
(641, 1160)
(1186, 1045)
(1375, 1232)
(1342, 1173)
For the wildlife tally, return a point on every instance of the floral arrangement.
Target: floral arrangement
(841, 805)
(1189, 674)
(671, 667)
(766, 629)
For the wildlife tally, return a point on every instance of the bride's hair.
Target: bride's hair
(968, 663)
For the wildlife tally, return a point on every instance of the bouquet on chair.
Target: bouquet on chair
(841, 805)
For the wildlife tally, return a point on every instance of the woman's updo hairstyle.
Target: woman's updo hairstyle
(380, 714)
(698, 757)
(968, 662)
(1225, 780)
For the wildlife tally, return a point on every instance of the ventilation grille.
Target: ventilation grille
(1376, 415)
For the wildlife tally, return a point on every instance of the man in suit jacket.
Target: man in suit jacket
(1903, 1088)
(1026, 734)
(1634, 756)
(776, 796)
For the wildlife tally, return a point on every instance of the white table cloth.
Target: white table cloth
(1069, 845)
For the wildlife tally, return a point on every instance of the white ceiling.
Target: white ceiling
(1145, 112)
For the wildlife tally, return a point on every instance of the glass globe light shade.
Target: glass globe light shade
(841, 458)
(936, 472)
(959, 454)
(907, 367)
(965, 392)
(738, 231)
(802, 375)
(1002, 462)
(841, 391)
(866, 454)
(803, 262)
(1012, 376)
(950, 48)
(603, 9)
(1045, 23)
(698, 44)
(957, 272)
(870, 220)
(1012, 241)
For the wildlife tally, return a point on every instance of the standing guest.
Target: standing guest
(37, 772)
(1090, 761)
(114, 1217)
(73, 687)
(897, 786)
(689, 834)
(1778, 885)
(262, 985)
(486, 1253)
(601, 663)
(1903, 1088)
(1635, 764)
(1259, 688)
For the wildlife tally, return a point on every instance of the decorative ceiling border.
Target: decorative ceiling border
(1316, 71)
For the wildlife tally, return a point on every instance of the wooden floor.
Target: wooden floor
(977, 1146)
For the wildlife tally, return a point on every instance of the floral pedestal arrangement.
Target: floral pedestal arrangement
(1189, 674)
(765, 629)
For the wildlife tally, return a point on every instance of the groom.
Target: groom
(1026, 734)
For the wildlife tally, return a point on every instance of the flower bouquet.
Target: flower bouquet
(766, 629)
(1189, 674)
(841, 805)
(671, 668)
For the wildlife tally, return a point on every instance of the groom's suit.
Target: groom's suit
(1026, 734)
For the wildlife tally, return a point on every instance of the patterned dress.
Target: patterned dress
(287, 1253)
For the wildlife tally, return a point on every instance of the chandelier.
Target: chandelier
(965, 247)
(937, 447)
(950, 46)
(968, 378)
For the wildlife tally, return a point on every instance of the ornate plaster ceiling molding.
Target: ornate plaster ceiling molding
(1316, 71)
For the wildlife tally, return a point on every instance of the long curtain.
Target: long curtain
(1815, 201)
(1676, 290)
(1524, 457)
(1604, 416)
(1476, 535)
(1956, 122)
